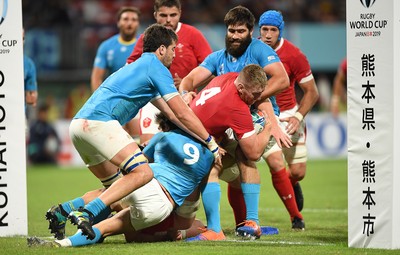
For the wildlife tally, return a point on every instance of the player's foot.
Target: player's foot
(298, 194)
(35, 241)
(84, 219)
(298, 224)
(57, 218)
(249, 229)
(207, 235)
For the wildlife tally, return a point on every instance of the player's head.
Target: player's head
(272, 18)
(164, 124)
(167, 13)
(128, 21)
(239, 22)
(161, 41)
(251, 83)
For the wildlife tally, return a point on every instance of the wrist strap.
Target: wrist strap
(208, 139)
(299, 116)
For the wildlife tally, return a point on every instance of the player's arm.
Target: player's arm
(277, 80)
(309, 99)
(337, 91)
(254, 145)
(281, 137)
(197, 77)
(97, 77)
(181, 115)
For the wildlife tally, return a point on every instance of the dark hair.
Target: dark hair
(157, 35)
(164, 124)
(127, 9)
(166, 3)
(240, 15)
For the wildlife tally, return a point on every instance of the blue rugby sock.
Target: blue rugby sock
(251, 193)
(211, 196)
(96, 206)
(73, 205)
(78, 239)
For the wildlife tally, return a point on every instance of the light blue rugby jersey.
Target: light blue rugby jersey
(112, 54)
(30, 81)
(124, 92)
(220, 62)
(180, 162)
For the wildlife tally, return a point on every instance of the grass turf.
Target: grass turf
(325, 213)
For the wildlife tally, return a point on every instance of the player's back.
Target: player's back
(219, 106)
(180, 162)
(126, 91)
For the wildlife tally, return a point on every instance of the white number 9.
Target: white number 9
(192, 152)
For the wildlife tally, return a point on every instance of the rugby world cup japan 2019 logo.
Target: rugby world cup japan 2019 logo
(3, 10)
(367, 3)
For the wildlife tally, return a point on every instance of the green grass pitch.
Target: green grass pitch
(325, 213)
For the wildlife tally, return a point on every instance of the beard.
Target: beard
(237, 51)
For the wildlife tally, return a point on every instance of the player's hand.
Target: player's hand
(189, 96)
(216, 150)
(293, 124)
(177, 80)
(281, 137)
(31, 97)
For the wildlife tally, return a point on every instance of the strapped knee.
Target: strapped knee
(188, 209)
(133, 161)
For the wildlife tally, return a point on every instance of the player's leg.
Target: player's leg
(211, 195)
(111, 226)
(296, 157)
(122, 152)
(297, 170)
(251, 192)
(57, 215)
(282, 184)
(231, 175)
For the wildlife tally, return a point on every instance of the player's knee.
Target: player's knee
(133, 161)
(298, 171)
(188, 209)
(275, 161)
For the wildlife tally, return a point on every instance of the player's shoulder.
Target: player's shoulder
(189, 28)
(257, 46)
(288, 45)
(291, 51)
(110, 41)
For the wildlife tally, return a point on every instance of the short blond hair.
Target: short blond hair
(253, 76)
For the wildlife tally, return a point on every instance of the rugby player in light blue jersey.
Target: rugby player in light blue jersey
(97, 133)
(179, 163)
(113, 52)
(240, 50)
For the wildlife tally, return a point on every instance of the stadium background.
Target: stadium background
(62, 38)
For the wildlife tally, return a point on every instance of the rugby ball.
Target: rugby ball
(258, 120)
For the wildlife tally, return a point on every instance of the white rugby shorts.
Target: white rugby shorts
(148, 205)
(147, 119)
(97, 141)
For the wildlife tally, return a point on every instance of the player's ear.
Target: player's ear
(155, 15)
(162, 49)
